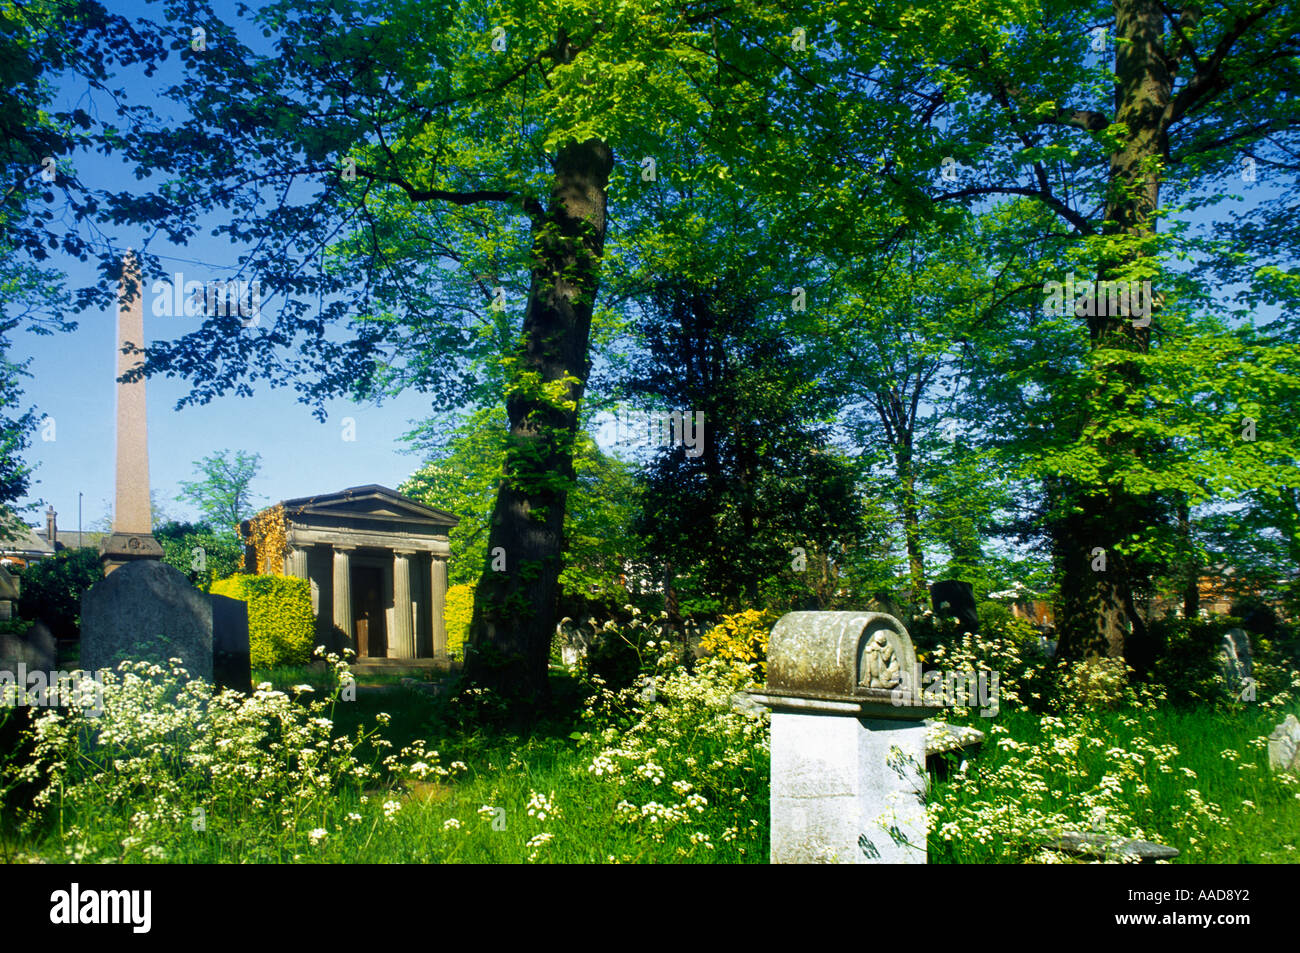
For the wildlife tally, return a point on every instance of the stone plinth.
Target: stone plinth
(146, 611)
(119, 549)
(848, 760)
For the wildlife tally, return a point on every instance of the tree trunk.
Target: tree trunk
(911, 519)
(1097, 605)
(1094, 614)
(1192, 568)
(516, 600)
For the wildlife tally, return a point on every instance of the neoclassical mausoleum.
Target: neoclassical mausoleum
(377, 564)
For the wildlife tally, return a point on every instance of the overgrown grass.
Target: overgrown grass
(602, 776)
(1197, 780)
(172, 773)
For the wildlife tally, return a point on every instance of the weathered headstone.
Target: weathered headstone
(942, 738)
(945, 744)
(1284, 746)
(848, 761)
(10, 589)
(574, 638)
(1236, 663)
(146, 611)
(231, 662)
(952, 598)
(36, 648)
(1108, 847)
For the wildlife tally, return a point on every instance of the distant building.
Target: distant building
(21, 544)
(28, 543)
(1218, 589)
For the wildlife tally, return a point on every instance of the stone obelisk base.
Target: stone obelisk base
(121, 548)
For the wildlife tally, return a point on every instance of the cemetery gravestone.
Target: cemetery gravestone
(574, 638)
(10, 589)
(231, 662)
(36, 649)
(1284, 746)
(848, 760)
(1235, 661)
(1093, 845)
(149, 611)
(952, 598)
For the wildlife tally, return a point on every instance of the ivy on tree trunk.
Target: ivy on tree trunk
(515, 609)
(1098, 611)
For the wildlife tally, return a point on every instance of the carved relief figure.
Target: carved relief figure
(879, 667)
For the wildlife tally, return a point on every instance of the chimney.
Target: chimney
(51, 527)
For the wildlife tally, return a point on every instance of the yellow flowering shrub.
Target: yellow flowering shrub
(742, 637)
(457, 613)
(281, 625)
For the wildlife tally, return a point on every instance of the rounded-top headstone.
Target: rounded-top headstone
(840, 655)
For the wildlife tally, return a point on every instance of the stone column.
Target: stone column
(403, 623)
(343, 595)
(438, 604)
(295, 564)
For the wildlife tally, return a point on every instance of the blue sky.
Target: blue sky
(73, 383)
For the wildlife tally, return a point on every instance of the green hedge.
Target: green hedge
(457, 614)
(281, 625)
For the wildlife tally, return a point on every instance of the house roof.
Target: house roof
(90, 539)
(372, 502)
(24, 540)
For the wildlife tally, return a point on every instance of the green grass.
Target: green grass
(439, 820)
(589, 817)
(1260, 813)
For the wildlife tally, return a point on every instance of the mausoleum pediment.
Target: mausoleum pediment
(371, 502)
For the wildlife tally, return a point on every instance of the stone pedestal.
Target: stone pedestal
(846, 789)
(848, 757)
(121, 548)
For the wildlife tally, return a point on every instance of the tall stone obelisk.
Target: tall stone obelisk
(132, 536)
